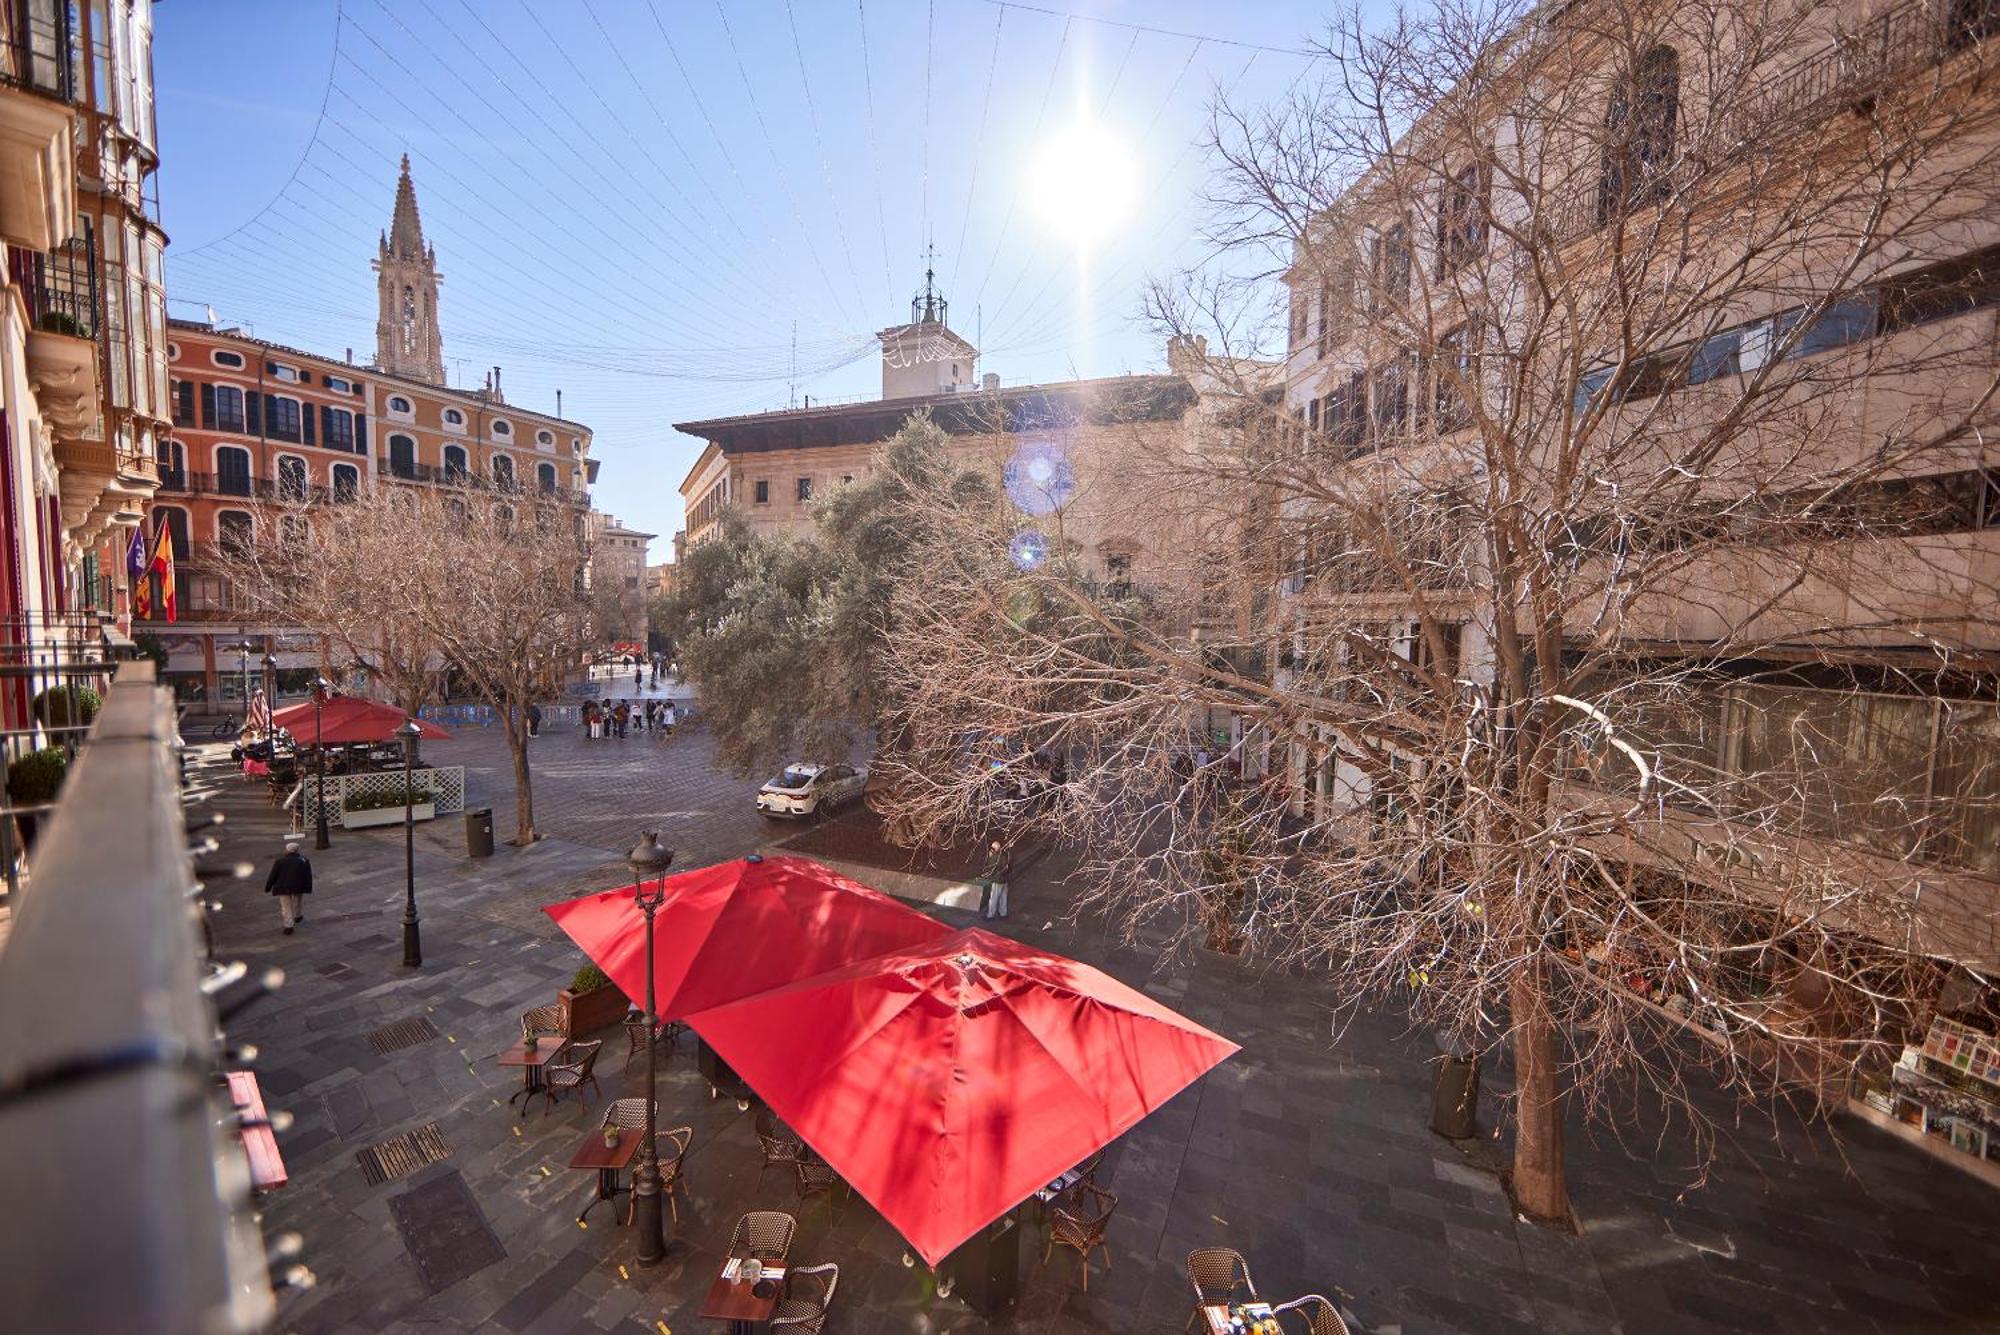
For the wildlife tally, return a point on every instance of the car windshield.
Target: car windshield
(795, 777)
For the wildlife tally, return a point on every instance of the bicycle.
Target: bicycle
(227, 729)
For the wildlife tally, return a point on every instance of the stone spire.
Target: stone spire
(407, 338)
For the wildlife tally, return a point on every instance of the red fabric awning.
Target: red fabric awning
(949, 1081)
(348, 720)
(739, 928)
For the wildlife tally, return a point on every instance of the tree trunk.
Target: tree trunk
(524, 797)
(1541, 1188)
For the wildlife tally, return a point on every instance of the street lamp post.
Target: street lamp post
(320, 688)
(650, 861)
(243, 672)
(271, 686)
(413, 948)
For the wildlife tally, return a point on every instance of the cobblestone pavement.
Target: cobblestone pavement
(1308, 1151)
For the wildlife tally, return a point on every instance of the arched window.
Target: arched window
(292, 478)
(293, 530)
(234, 529)
(175, 520)
(399, 404)
(232, 470)
(228, 414)
(505, 514)
(346, 482)
(503, 471)
(454, 463)
(402, 456)
(1639, 130)
(545, 474)
(545, 438)
(502, 428)
(453, 417)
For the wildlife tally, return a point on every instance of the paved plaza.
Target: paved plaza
(1308, 1151)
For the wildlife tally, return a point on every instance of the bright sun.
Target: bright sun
(1083, 183)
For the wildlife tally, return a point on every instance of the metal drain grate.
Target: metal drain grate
(402, 1034)
(403, 1155)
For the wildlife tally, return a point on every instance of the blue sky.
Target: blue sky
(618, 216)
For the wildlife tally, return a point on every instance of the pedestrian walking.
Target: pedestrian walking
(534, 720)
(669, 716)
(637, 683)
(998, 871)
(619, 717)
(291, 880)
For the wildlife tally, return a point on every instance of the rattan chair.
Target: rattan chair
(673, 1155)
(635, 1034)
(780, 1143)
(573, 1068)
(1079, 1220)
(808, 1294)
(543, 1020)
(1219, 1275)
(764, 1234)
(1320, 1317)
(628, 1114)
(813, 1176)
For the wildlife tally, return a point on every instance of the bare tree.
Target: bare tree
(1608, 672)
(487, 583)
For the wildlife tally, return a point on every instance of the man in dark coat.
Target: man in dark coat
(290, 880)
(998, 871)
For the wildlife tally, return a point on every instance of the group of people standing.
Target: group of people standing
(615, 718)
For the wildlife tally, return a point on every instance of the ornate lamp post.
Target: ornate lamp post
(271, 682)
(321, 687)
(650, 861)
(413, 949)
(243, 673)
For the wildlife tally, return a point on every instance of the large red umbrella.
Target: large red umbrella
(346, 720)
(947, 1082)
(737, 928)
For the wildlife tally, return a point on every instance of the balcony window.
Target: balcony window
(1462, 219)
(503, 471)
(282, 419)
(545, 476)
(337, 428)
(175, 520)
(234, 529)
(402, 457)
(1639, 128)
(183, 396)
(454, 463)
(346, 482)
(293, 483)
(232, 471)
(228, 411)
(1389, 268)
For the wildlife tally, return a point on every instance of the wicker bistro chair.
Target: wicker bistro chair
(764, 1234)
(780, 1144)
(813, 1176)
(673, 1148)
(807, 1296)
(1320, 1316)
(1079, 1220)
(1219, 1275)
(635, 1034)
(575, 1069)
(543, 1020)
(626, 1114)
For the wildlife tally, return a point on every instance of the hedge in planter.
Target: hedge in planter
(381, 801)
(591, 1002)
(37, 776)
(52, 706)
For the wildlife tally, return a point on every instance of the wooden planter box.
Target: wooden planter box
(363, 820)
(587, 1012)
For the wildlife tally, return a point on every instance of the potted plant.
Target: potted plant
(35, 779)
(610, 1137)
(360, 811)
(591, 1001)
(52, 706)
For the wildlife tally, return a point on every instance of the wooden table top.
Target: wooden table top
(267, 1166)
(732, 1300)
(594, 1153)
(545, 1047)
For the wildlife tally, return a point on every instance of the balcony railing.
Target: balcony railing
(38, 49)
(60, 285)
(387, 467)
(111, 1058)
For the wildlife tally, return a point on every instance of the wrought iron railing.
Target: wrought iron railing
(128, 1190)
(38, 49)
(60, 285)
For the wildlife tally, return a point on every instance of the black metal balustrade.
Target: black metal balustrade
(127, 1190)
(60, 285)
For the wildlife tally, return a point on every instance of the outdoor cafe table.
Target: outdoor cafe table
(737, 1302)
(607, 1160)
(519, 1055)
(1240, 1318)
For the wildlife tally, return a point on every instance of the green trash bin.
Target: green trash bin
(479, 832)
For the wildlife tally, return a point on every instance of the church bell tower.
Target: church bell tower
(407, 341)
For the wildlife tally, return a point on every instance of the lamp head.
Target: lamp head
(649, 860)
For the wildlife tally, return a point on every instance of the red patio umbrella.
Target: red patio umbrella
(738, 928)
(347, 720)
(948, 1081)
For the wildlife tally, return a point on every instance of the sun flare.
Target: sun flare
(1084, 183)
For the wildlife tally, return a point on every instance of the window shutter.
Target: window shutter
(208, 406)
(361, 433)
(253, 407)
(306, 421)
(186, 392)
(326, 427)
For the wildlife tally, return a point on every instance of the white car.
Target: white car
(811, 790)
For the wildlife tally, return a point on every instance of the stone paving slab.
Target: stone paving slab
(1308, 1152)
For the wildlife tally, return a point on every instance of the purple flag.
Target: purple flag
(135, 555)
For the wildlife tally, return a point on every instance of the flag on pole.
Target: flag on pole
(142, 584)
(163, 566)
